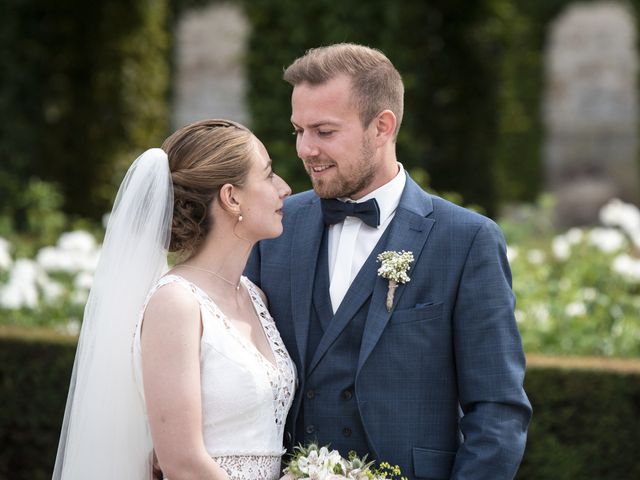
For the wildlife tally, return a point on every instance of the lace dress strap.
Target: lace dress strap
(283, 379)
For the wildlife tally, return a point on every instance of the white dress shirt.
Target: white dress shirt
(352, 241)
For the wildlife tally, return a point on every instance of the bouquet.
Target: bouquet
(320, 463)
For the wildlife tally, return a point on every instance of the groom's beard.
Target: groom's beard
(157, 473)
(363, 171)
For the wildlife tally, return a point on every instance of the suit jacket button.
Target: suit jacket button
(347, 395)
(310, 429)
(346, 431)
(310, 394)
(287, 438)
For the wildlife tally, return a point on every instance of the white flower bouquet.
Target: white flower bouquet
(320, 463)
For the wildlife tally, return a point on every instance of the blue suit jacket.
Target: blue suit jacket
(439, 378)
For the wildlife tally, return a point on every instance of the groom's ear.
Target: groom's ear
(385, 126)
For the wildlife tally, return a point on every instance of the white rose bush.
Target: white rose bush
(52, 288)
(577, 292)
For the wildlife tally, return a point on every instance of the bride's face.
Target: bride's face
(262, 198)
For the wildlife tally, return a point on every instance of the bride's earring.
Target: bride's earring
(240, 219)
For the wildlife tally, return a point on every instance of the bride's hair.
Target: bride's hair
(203, 156)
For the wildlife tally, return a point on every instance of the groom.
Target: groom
(432, 381)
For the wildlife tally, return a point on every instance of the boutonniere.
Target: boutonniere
(395, 266)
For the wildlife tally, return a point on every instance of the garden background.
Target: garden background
(87, 86)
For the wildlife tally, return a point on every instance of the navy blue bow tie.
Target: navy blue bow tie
(335, 211)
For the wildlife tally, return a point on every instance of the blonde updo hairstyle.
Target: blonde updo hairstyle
(203, 156)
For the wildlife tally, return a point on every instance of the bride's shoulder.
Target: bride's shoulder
(171, 298)
(171, 324)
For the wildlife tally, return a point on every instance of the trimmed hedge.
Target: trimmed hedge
(522, 32)
(35, 369)
(85, 87)
(441, 48)
(586, 422)
(474, 75)
(84, 90)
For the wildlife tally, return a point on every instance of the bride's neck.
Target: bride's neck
(224, 254)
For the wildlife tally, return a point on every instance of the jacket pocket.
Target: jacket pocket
(432, 464)
(422, 312)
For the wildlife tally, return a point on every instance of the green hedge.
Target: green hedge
(586, 421)
(522, 28)
(474, 74)
(35, 369)
(441, 48)
(84, 90)
(85, 87)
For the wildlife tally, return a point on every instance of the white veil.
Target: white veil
(105, 433)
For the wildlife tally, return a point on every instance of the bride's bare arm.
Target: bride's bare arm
(171, 370)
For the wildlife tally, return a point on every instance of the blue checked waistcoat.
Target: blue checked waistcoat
(329, 386)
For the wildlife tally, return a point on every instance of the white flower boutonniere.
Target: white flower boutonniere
(395, 266)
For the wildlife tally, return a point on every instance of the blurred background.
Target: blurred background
(526, 111)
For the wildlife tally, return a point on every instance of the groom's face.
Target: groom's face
(337, 150)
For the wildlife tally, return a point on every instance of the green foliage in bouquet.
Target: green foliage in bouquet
(319, 463)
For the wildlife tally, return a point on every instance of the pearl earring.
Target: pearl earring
(240, 218)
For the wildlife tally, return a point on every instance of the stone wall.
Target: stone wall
(590, 110)
(210, 77)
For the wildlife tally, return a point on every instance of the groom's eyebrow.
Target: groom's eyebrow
(322, 123)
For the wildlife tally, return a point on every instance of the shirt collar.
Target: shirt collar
(388, 195)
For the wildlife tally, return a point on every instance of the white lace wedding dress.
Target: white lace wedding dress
(245, 397)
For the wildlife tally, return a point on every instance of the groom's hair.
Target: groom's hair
(204, 156)
(376, 83)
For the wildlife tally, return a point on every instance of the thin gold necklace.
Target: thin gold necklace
(235, 285)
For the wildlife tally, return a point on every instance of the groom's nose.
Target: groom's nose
(305, 147)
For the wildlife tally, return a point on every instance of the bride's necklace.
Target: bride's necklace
(233, 284)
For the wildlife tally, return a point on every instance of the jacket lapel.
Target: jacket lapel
(409, 231)
(358, 293)
(308, 234)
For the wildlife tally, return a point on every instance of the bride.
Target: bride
(183, 368)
